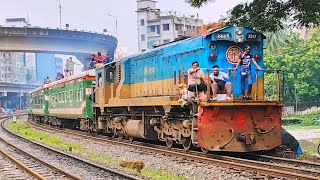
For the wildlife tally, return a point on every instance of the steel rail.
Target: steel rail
(286, 160)
(112, 171)
(22, 166)
(266, 168)
(25, 167)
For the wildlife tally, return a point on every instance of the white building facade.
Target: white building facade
(156, 27)
(13, 65)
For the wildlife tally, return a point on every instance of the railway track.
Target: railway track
(42, 168)
(270, 166)
(32, 165)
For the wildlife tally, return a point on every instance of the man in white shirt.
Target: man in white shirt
(218, 82)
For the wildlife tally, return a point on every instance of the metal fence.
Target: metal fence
(300, 108)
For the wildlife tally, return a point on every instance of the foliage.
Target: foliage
(47, 138)
(268, 15)
(274, 40)
(300, 127)
(307, 121)
(198, 3)
(299, 62)
(263, 15)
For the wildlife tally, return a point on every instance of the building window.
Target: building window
(143, 37)
(141, 22)
(166, 27)
(155, 28)
(151, 44)
(152, 29)
(166, 41)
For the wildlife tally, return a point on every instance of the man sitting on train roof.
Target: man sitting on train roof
(245, 72)
(197, 81)
(218, 83)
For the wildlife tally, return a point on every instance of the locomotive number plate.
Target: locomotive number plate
(233, 53)
(223, 36)
(252, 36)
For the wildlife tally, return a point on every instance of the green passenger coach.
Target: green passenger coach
(65, 103)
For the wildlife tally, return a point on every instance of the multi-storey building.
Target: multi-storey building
(6, 73)
(13, 67)
(31, 67)
(156, 27)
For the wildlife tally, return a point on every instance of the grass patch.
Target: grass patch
(103, 159)
(310, 147)
(300, 127)
(51, 139)
(160, 175)
(44, 137)
(304, 120)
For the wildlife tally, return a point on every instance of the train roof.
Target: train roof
(91, 72)
(172, 43)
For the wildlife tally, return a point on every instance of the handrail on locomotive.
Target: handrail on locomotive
(234, 80)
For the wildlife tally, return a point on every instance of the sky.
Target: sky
(91, 15)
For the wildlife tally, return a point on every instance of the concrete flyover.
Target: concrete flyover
(16, 88)
(14, 95)
(58, 41)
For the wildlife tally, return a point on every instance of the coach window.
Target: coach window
(78, 95)
(56, 97)
(81, 94)
(71, 95)
(63, 97)
(67, 96)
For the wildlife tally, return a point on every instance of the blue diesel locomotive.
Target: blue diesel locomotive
(137, 97)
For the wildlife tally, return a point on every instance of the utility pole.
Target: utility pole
(59, 10)
(296, 96)
(116, 23)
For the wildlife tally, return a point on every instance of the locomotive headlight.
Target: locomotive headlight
(257, 57)
(213, 56)
(239, 39)
(239, 30)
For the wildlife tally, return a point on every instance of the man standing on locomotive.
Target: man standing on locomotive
(197, 81)
(218, 82)
(245, 71)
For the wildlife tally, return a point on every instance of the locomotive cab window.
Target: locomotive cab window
(109, 74)
(100, 80)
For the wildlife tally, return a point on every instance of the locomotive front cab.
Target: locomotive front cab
(238, 125)
(108, 78)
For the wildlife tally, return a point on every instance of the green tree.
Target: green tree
(275, 40)
(198, 3)
(299, 61)
(268, 15)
